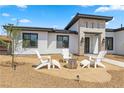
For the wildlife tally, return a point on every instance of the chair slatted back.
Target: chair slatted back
(38, 55)
(101, 56)
(65, 53)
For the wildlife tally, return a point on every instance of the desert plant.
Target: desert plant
(13, 34)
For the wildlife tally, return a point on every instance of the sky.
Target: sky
(56, 16)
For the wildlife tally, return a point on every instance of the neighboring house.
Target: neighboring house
(84, 34)
(115, 40)
(4, 40)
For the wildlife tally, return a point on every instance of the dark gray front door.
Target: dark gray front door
(87, 45)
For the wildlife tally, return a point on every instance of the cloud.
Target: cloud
(107, 23)
(110, 21)
(5, 14)
(110, 8)
(22, 6)
(72, 16)
(55, 26)
(113, 19)
(13, 19)
(24, 21)
(86, 5)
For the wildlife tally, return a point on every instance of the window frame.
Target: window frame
(30, 40)
(107, 46)
(62, 41)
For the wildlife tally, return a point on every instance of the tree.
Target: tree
(13, 33)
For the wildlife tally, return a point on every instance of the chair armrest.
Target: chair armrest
(91, 59)
(46, 57)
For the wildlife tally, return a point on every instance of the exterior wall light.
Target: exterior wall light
(103, 40)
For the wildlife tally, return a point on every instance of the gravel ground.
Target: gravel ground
(26, 77)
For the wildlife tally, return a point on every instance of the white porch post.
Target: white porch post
(81, 43)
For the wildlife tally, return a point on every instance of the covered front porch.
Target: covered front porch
(91, 43)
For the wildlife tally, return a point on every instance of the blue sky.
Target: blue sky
(56, 16)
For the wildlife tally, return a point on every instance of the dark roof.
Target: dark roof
(78, 16)
(119, 29)
(114, 30)
(52, 30)
(109, 30)
(26, 28)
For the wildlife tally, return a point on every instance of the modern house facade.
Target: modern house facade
(84, 34)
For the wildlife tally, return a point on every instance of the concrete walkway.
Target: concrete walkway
(107, 60)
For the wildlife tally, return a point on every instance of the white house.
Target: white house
(115, 40)
(83, 34)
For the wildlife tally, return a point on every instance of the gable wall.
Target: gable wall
(74, 27)
(119, 39)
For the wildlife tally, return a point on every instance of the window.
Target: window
(86, 24)
(62, 41)
(109, 43)
(92, 25)
(98, 25)
(30, 40)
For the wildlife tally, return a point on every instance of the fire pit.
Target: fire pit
(72, 64)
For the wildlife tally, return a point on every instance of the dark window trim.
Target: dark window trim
(62, 40)
(107, 41)
(30, 39)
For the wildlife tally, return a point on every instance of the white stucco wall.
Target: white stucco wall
(119, 39)
(42, 43)
(112, 34)
(73, 46)
(47, 43)
(95, 22)
(74, 27)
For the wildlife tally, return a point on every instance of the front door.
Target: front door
(87, 45)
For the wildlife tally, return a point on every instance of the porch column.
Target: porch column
(81, 43)
(99, 42)
(102, 42)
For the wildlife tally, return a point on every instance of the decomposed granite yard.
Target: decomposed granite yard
(25, 76)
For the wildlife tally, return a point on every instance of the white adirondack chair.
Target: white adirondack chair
(98, 60)
(56, 63)
(85, 63)
(43, 62)
(47, 62)
(66, 54)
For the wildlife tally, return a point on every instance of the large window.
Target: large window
(62, 41)
(109, 43)
(30, 40)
